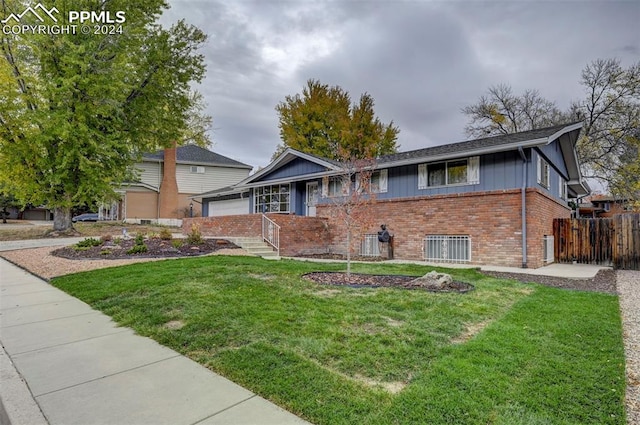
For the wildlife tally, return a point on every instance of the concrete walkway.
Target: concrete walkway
(63, 363)
(569, 271)
(37, 243)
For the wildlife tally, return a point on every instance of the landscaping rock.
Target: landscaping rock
(434, 280)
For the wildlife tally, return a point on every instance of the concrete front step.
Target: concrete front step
(255, 246)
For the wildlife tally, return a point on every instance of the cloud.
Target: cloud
(421, 61)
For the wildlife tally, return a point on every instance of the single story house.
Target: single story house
(168, 180)
(484, 201)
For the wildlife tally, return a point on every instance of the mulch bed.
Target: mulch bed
(359, 280)
(603, 281)
(156, 248)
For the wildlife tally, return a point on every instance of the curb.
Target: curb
(17, 404)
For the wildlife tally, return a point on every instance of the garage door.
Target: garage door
(228, 207)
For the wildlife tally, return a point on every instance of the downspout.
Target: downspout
(160, 165)
(523, 192)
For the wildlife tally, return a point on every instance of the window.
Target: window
(458, 172)
(370, 246)
(197, 169)
(563, 189)
(333, 187)
(275, 198)
(447, 248)
(543, 172)
(377, 182)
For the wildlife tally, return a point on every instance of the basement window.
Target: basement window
(447, 248)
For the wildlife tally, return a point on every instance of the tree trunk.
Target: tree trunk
(349, 255)
(62, 219)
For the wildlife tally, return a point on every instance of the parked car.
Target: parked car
(85, 217)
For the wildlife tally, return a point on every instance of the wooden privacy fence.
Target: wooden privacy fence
(607, 241)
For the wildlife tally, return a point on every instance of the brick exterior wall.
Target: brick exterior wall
(493, 221)
(541, 210)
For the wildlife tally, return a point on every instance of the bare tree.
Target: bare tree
(611, 110)
(351, 194)
(608, 148)
(502, 112)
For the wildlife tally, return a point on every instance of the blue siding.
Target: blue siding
(499, 171)
(553, 155)
(554, 176)
(297, 167)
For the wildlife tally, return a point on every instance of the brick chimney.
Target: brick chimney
(169, 185)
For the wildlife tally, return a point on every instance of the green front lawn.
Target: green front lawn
(506, 353)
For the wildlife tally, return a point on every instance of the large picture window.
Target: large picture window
(275, 198)
(461, 171)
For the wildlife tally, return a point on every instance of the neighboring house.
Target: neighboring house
(597, 206)
(484, 201)
(168, 180)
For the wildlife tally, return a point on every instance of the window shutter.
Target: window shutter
(325, 187)
(383, 181)
(474, 170)
(422, 176)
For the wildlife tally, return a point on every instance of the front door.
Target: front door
(312, 198)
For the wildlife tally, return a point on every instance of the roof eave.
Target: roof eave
(474, 152)
(284, 158)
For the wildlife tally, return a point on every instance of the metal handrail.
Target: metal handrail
(271, 233)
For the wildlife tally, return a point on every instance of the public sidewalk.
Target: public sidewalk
(64, 363)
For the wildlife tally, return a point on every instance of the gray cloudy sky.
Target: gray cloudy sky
(422, 61)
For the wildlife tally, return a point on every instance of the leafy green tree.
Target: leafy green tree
(77, 110)
(608, 147)
(322, 121)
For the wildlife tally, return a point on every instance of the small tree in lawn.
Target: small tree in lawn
(351, 195)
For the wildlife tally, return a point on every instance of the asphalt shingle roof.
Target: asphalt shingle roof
(471, 145)
(198, 155)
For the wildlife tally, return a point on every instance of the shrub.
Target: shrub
(105, 238)
(117, 241)
(195, 237)
(105, 252)
(165, 234)
(138, 249)
(139, 239)
(88, 243)
(176, 243)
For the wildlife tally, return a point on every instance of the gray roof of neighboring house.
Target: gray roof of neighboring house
(473, 145)
(196, 155)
